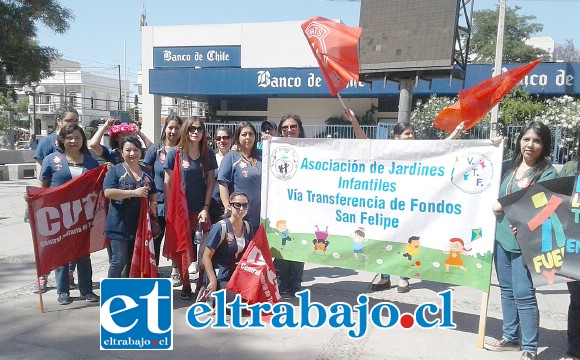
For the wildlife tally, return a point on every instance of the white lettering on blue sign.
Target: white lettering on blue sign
(168, 56)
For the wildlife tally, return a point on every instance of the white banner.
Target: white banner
(414, 208)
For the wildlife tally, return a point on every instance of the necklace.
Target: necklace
(133, 174)
(253, 162)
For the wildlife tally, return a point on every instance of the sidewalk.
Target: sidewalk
(72, 331)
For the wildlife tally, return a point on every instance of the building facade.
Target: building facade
(93, 96)
(260, 71)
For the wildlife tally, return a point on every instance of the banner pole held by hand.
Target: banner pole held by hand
(341, 102)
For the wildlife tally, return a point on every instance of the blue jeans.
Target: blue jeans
(85, 279)
(122, 252)
(388, 277)
(289, 275)
(574, 319)
(518, 299)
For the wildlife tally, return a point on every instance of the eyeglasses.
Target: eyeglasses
(289, 127)
(193, 129)
(240, 206)
(220, 138)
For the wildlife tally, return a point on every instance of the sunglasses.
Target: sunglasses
(240, 206)
(220, 138)
(193, 129)
(289, 127)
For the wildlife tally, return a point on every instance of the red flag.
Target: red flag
(335, 47)
(178, 228)
(476, 102)
(143, 263)
(255, 277)
(67, 221)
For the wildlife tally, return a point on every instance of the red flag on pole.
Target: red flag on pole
(255, 277)
(67, 221)
(177, 225)
(335, 47)
(143, 263)
(476, 102)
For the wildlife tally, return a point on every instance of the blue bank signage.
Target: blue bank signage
(197, 57)
(547, 79)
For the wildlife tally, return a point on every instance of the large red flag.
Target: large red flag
(67, 221)
(476, 102)
(335, 46)
(143, 263)
(178, 228)
(255, 277)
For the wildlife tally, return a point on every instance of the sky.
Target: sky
(101, 27)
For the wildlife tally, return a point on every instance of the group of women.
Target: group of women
(227, 184)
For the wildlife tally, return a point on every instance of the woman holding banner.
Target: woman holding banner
(155, 158)
(530, 164)
(71, 160)
(124, 185)
(198, 163)
(401, 131)
(224, 255)
(290, 272)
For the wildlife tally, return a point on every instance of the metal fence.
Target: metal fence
(563, 139)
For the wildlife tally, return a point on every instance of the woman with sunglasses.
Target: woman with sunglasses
(155, 160)
(224, 251)
(241, 171)
(198, 163)
(223, 141)
(290, 272)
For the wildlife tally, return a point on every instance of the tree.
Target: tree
(566, 52)
(22, 59)
(518, 28)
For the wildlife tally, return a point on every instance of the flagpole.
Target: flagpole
(341, 102)
(498, 63)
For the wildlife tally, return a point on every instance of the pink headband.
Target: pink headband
(122, 128)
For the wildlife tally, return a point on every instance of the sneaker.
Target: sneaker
(64, 299)
(176, 280)
(42, 285)
(90, 297)
(186, 293)
(503, 345)
(71, 280)
(529, 355)
(193, 268)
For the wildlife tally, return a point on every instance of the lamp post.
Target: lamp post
(33, 90)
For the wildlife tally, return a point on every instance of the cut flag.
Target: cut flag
(476, 102)
(177, 225)
(255, 277)
(143, 263)
(335, 47)
(67, 221)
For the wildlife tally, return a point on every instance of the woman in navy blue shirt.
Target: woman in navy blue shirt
(155, 158)
(241, 171)
(71, 159)
(224, 255)
(198, 164)
(124, 185)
